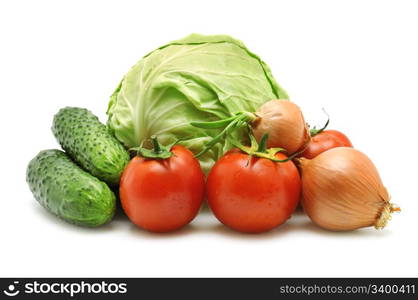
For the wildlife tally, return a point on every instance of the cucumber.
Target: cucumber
(69, 192)
(90, 144)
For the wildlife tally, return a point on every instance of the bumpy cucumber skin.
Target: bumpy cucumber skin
(69, 192)
(90, 143)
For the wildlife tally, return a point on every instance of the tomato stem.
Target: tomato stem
(157, 147)
(315, 131)
(158, 152)
(263, 143)
(259, 150)
(239, 120)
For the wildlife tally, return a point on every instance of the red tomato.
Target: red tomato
(163, 195)
(252, 196)
(324, 141)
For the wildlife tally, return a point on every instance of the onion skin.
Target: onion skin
(283, 121)
(342, 191)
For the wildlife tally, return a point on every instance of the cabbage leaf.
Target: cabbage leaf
(198, 78)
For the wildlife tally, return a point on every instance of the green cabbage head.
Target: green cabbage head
(198, 78)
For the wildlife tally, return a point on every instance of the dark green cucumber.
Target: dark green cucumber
(90, 143)
(69, 192)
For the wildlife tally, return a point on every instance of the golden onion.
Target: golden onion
(283, 121)
(342, 190)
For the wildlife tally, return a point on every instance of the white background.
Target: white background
(357, 59)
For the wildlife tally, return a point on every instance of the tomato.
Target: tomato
(252, 195)
(163, 195)
(324, 141)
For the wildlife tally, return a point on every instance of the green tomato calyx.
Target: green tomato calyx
(259, 149)
(158, 152)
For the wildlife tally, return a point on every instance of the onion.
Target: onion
(342, 190)
(283, 121)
